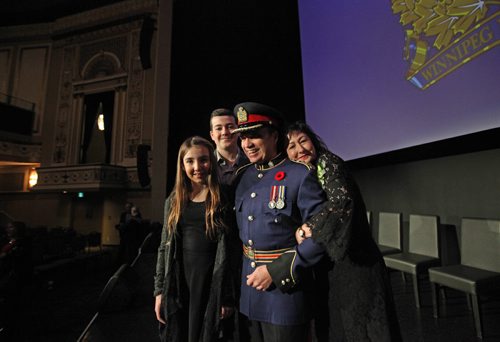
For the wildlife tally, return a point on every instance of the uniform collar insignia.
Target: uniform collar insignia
(272, 163)
(242, 168)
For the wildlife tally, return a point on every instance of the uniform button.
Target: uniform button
(283, 282)
(250, 242)
(234, 208)
(252, 264)
(253, 194)
(260, 175)
(250, 218)
(287, 280)
(276, 220)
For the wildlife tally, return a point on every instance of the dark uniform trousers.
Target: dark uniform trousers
(267, 332)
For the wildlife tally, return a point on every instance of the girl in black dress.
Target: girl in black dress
(193, 289)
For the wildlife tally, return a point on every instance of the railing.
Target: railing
(17, 102)
(81, 178)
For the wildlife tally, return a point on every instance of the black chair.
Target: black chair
(423, 250)
(479, 271)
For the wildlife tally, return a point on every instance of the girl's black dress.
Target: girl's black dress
(198, 255)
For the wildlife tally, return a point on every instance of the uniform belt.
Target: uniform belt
(263, 256)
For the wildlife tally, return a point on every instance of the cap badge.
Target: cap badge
(242, 115)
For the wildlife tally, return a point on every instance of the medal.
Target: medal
(280, 202)
(272, 197)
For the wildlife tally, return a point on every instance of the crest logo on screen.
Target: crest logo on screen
(443, 35)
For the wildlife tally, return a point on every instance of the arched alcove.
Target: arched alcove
(103, 64)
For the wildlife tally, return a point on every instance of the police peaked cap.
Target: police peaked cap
(253, 115)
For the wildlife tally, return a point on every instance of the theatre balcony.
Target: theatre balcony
(81, 178)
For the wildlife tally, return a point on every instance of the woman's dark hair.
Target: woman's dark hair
(301, 126)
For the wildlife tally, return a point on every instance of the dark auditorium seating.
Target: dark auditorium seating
(126, 301)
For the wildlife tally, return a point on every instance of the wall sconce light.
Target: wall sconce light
(33, 178)
(100, 117)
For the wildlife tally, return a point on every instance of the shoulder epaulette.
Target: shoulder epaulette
(241, 168)
(308, 165)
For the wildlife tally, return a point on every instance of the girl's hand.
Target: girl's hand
(158, 309)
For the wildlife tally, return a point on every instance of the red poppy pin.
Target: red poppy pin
(279, 175)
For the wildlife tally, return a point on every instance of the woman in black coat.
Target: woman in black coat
(360, 305)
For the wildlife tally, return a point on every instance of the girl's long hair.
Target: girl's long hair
(183, 188)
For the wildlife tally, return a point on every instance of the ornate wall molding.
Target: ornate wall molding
(133, 179)
(19, 33)
(103, 50)
(100, 52)
(134, 114)
(106, 83)
(98, 33)
(20, 152)
(114, 12)
(122, 50)
(64, 107)
(81, 177)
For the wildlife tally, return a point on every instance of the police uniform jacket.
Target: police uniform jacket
(264, 227)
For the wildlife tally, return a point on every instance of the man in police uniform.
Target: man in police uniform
(274, 196)
(229, 156)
